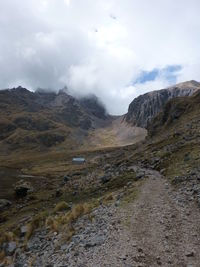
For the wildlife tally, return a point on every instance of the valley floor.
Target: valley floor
(158, 226)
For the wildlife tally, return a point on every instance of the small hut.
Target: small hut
(78, 160)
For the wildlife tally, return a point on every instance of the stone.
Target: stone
(134, 244)
(123, 257)
(4, 203)
(23, 230)
(64, 247)
(104, 179)
(139, 176)
(129, 184)
(158, 260)
(117, 203)
(11, 247)
(66, 178)
(58, 192)
(107, 166)
(22, 188)
(189, 254)
(198, 201)
(162, 171)
(95, 241)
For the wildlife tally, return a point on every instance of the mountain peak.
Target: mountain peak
(187, 84)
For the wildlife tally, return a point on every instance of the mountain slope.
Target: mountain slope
(145, 107)
(46, 119)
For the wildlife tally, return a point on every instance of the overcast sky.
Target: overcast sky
(116, 49)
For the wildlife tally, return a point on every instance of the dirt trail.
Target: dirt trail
(157, 229)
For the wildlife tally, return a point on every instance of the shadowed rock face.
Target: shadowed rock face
(145, 107)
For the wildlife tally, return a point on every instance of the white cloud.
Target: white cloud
(67, 2)
(97, 46)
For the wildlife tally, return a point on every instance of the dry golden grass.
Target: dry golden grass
(56, 223)
(68, 232)
(63, 221)
(7, 261)
(109, 197)
(37, 222)
(31, 261)
(7, 237)
(61, 206)
(2, 256)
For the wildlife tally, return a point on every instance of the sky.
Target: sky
(115, 49)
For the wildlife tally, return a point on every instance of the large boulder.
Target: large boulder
(22, 188)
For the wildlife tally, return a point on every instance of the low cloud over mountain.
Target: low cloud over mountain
(115, 49)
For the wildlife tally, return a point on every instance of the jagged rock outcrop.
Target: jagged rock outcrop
(145, 107)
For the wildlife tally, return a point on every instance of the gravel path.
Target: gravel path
(158, 229)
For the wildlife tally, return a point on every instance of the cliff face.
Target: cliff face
(143, 108)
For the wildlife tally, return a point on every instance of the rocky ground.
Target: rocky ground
(158, 226)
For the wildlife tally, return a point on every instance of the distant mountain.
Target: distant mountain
(44, 119)
(143, 108)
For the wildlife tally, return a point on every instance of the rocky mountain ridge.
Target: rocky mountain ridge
(143, 108)
(46, 118)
